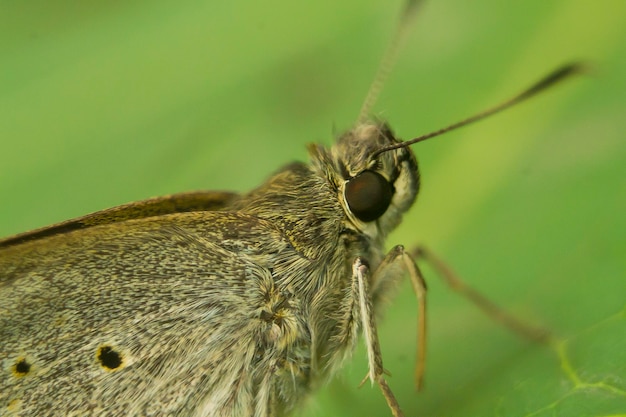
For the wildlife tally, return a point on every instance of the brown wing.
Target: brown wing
(158, 206)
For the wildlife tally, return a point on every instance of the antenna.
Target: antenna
(389, 58)
(548, 81)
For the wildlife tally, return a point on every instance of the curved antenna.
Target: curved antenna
(546, 82)
(389, 58)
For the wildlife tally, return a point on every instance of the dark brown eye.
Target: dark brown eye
(368, 195)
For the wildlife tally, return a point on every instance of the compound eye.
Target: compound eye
(368, 195)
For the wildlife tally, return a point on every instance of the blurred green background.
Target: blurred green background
(105, 103)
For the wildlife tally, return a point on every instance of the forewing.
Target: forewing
(158, 206)
(134, 317)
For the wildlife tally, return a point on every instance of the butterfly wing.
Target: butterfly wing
(140, 315)
(158, 206)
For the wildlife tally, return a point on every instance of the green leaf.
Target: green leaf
(106, 103)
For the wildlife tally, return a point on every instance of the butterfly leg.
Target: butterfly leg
(492, 310)
(361, 277)
(391, 270)
(384, 273)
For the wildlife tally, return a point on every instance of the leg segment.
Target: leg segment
(492, 310)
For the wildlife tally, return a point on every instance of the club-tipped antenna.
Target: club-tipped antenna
(548, 81)
(389, 58)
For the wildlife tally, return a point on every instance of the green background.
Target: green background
(105, 103)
